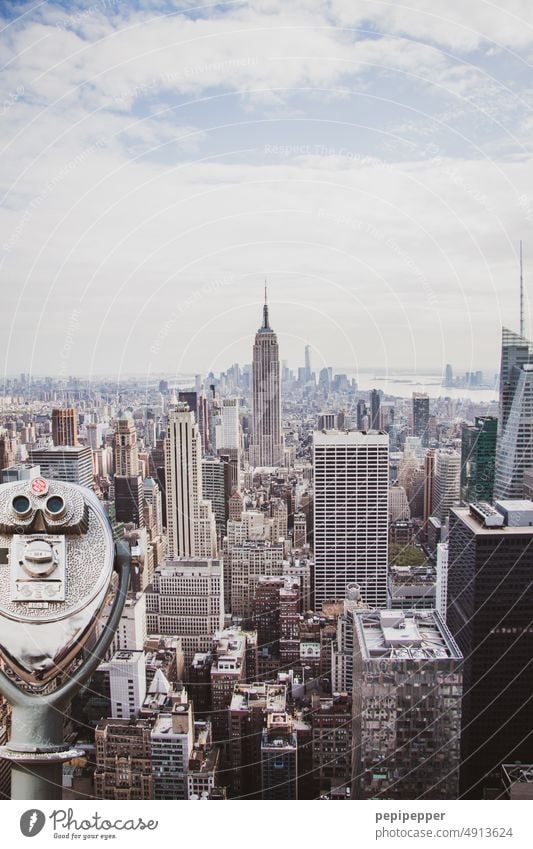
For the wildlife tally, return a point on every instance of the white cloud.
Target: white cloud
(107, 211)
(459, 25)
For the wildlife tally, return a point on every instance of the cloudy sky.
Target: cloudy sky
(371, 160)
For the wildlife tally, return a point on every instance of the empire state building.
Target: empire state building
(267, 444)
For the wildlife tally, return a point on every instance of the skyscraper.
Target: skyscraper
(152, 495)
(324, 380)
(307, 363)
(127, 682)
(516, 352)
(374, 409)
(216, 488)
(406, 706)
(129, 497)
(127, 480)
(125, 445)
(250, 561)
(65, 426)
(73, 464)
(515, 447)
(230, 436)
(190, 521)
(351, 514)
(186, 600)
(191, 399)
(94, 435)
(421, 416)
(489, 612)
(362, 415)
(267, 444)
(446, 491)
(429, 484)
(229, 439)
(7, 452)
(478, 459)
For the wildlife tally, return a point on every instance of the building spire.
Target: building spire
(265, 311)
(521, 295)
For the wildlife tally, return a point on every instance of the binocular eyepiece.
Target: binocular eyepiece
(54, 507)
(56, 564)
(43, 506)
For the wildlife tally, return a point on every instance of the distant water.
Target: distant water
(403, 386)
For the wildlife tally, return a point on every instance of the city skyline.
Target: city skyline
(266, 409)
(294, 364)
(307, 353)
(320, 565)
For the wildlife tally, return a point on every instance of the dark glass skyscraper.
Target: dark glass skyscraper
(478, 458)
(514, 452)
(361, 413)
(490, 615)
(421, 416)
(375, 402)
(516, 352)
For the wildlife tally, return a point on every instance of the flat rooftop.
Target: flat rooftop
(201, 659)
(127, 656)
(175, 568)
(271, 697)
(401, 575)
(405, 634)
(350, 437)
(476, 527)
(202, 761)
(156, 702)
(228, 645)
(516, 504)
(164, 724)
(60, 449)
(125, 727)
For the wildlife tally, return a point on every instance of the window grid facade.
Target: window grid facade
(351, 515)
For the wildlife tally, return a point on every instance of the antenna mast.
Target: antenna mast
(521, 294)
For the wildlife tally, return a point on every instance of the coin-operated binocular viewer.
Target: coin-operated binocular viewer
(57, 560)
